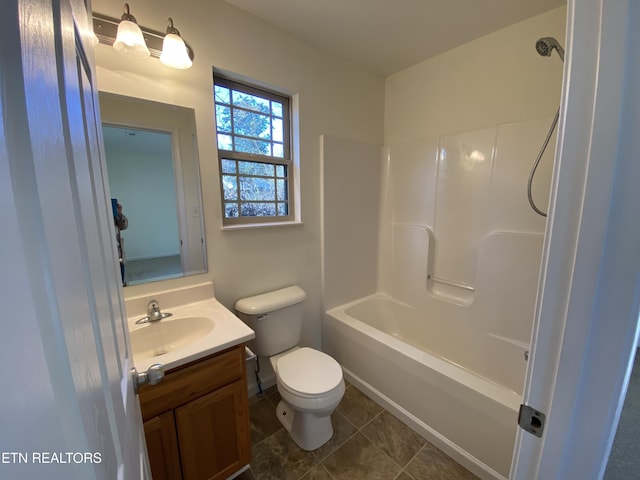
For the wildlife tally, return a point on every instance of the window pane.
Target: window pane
(221, 94)
(250, 101)
(256, 168)
(277, 130)
(223, 118)
(276, 109)
(228, 166)
(282, 189)
(283, 209)
(258, 209)
(231, 210)
(278, 150)
(251, 124)
(252, 188)
(225, 142)
(248, 145)
(230, 187)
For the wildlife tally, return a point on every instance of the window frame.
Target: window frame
(286, 160)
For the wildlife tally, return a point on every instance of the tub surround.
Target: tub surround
(194, 301)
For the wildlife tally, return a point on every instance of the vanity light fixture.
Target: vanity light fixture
(107, 31)
(174, 51)
(129, 39)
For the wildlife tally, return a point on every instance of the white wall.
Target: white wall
(134, 179)
(493, 80)
(335, 98)
(351, 197)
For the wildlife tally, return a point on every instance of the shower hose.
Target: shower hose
(537, 162)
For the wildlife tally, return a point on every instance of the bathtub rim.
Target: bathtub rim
(496, 392)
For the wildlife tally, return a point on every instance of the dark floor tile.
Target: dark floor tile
(394, 438)
(246, 475)
(255, 399)
(263, 420)
(279, 458)
(268, 391)
(265, 393)
(357, 407)
(274, 397)
(432, 464)
(317, 473)
(342, 430)
(403, 476)
(359, 459)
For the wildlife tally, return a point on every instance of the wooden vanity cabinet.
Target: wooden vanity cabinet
(196, 420)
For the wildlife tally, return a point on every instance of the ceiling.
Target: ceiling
(386, 36)
(136, 141)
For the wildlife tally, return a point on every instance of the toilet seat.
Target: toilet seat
(308, 373)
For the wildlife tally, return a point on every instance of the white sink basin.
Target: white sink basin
(159, 338)
(200, 326)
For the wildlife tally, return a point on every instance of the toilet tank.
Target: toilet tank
(275, 317)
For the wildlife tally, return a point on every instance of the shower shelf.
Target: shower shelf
(450, 291)
(452, 283)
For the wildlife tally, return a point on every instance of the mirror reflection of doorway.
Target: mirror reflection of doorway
(142, 179)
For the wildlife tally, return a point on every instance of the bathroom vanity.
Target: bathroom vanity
(196, 420)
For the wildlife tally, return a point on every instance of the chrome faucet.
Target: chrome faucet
(153, 313)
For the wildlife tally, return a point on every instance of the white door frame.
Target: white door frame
(586, 325)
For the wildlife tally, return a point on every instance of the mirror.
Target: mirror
(152, 165)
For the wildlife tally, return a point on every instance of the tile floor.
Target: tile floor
(368, 443)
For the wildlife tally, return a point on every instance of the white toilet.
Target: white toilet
(310, 382)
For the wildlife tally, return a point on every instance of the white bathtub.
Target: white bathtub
(457, 393)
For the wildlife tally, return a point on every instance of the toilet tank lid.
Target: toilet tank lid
(270, 301)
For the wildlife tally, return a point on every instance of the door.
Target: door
(69, 410)
(587, 311)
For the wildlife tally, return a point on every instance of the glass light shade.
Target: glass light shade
(130, 40)
(174, 52)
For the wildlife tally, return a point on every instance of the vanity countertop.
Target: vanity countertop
(173, 344)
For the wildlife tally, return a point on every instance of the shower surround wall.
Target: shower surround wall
(457, 236)
(458, 240)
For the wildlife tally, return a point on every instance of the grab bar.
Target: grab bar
(452, 283)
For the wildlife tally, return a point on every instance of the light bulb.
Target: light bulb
(174, 52)
(129, 39)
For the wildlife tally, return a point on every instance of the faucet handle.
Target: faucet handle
(153, 306)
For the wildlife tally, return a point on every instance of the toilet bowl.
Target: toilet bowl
(311, 386)
(310, 382)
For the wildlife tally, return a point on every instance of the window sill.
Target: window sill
(251, 226)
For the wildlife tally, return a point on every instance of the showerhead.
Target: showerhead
(545, 45)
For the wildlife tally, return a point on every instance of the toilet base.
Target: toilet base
(308, 430)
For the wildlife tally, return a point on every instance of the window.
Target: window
(253, 129)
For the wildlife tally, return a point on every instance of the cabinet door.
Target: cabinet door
(213, 432)
(162, 445)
